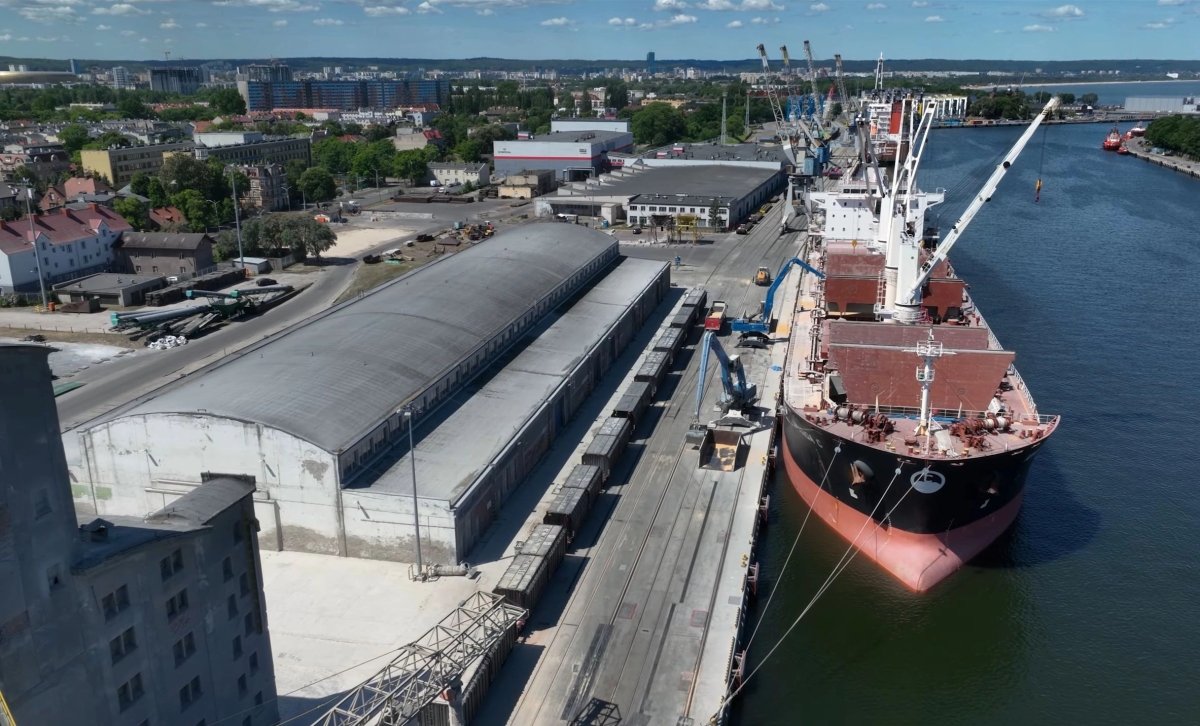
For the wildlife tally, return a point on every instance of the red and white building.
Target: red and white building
(70, 242)
(571, 155)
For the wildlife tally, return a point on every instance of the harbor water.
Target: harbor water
(1086, 611)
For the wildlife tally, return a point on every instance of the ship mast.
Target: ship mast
(929, 351)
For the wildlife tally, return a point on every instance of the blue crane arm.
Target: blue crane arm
(734, 390)
(779, 281)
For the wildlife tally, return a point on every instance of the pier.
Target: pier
(1137, 147)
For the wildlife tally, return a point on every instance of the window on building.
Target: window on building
(258, 699)
(177, 605)
(237, 647)
(41, 506)
(173, 563)
(242, 687)
(231, 606)
(248, 622)
(244, 583)
(227, 569)
(237, 532)
(190, 693)
(122, 645)
(130, 692)
(184, 648)
(115, 602)
(254, 663)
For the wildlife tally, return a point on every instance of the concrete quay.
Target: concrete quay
(1137, 147)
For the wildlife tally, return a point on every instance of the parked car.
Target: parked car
(264, 281)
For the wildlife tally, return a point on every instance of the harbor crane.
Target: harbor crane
(841, 83)
(812, 77)
(736, 392)
(763, 324)
(786, 139)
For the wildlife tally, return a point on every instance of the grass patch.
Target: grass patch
(55, 336)
(369, 277)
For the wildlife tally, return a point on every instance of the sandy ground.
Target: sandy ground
(71, 358)
(353, 240)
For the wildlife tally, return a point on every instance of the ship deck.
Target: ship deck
(806, 389)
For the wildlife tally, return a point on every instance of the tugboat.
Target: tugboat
(1138, 130)
(1113, 142)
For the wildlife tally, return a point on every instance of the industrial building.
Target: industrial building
(1162, 104)
(572, 155)
(754, 156)
(644, 195)
(584, 123)
(449, 172)
(156, 619)
(184, 81)
(317, 416)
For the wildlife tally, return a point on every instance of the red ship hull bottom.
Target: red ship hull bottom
(920, 561)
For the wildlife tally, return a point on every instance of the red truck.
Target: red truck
(716, 316)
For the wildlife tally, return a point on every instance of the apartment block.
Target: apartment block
(123, 621)
(119, 165)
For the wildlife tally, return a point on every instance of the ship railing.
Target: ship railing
(1013, 376)
(952, 414)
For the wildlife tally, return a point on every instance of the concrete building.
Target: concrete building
(251, 148)
(121, 78)
(119, 165)
(184, 81)
(526, 184)
(343, 95)
(459, 173)
(70, 242)
(571, 155)
(265, 72)
(43, 159)
(172, 255)
(575, 125)
(124, 620)
(268, 187)
(324, 432)
(408, 138)
(110, 288)
(754, 156)
(648, 196)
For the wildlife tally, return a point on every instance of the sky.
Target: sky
(599, 29)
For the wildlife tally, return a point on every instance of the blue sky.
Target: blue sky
(599, 29)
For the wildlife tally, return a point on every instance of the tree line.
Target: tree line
(1180, 134)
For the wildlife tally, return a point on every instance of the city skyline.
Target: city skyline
(587, 29)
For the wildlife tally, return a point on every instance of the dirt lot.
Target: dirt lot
(119, 341)
(368, 277)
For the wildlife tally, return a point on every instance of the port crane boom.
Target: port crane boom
(841, 82)
(984, 196)
(736, 393)
(747, 325)
(812, 77)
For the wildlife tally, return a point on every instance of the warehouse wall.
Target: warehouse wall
(137, 464)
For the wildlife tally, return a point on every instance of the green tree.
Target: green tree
(74, 137)
(1180, 134)
(198, 211)
(139, 184)
(109, 139)
(616, 93)
(373, 159)
(25, 176)
(334, 154)
(1087, 99)
(658, 124)
(411, 164)
(470, 150)
(181, 172)
(352, 129)
(714, 215)
(228, 102)
(156, 192)
(379, 132)
(317, 185)
(132, 107)
(300, 116)
(133, 210)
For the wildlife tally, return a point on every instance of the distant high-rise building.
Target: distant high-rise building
(650, 62)
(265, 72)
(184, 81)
(74, 68)
(121, 77)
(344, 95)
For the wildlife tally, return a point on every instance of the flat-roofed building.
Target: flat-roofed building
(118, 165)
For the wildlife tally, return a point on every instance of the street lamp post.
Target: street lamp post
(237, 222)
(37, 258)
(412, 455)
(287, 193)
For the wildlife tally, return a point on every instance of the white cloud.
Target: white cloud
(1000, 31)
(425, 8)
(326, 22)
(1063, 12)
(682, 19)
(1161, 25)
(169, 25)
(1035, 28)
(876, 6)
(201, 25)
(673, 21)
(667, 5)
(935, 19)
(121, 9)
(764, 21)
(556, 22)
(1171, 3)
(485, 11)
(274, 6)
(48, 15)
(102, 28)
(920, 4)
(818, 7)
(129, 33)
(621, 21)
(279, 24)
(143, 40)
(760, 5)
(53, 39)
(379, 11)
(734, 24)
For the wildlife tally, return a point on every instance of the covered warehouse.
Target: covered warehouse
(318, 408)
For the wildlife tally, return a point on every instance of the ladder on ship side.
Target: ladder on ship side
(881, 295)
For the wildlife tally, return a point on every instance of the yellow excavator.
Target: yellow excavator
(763, 276)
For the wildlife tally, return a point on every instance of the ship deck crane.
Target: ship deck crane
(912, 295)
(763, 324)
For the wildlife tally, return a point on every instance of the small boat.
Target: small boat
(1113, 142)
(1138, 130)
(1122, 150)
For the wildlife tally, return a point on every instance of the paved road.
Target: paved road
(615, 639)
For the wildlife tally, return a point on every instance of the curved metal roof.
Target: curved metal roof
(336, 376)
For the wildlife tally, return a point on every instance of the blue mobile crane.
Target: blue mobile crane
(749, 324)
(736, 393)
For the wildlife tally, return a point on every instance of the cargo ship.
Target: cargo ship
(907, 428)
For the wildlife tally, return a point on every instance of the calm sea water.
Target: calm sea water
(1088, 610)
(1114, 94)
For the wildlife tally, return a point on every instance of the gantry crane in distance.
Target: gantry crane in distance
(812, 76)
(841, 83)
(430, 666)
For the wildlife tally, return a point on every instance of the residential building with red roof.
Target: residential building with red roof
(70, 242)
